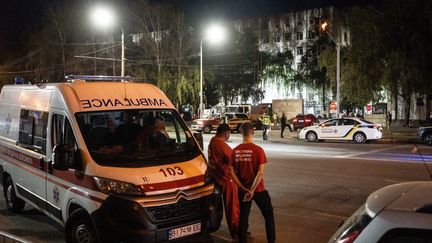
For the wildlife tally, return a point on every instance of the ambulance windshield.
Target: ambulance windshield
(137, 138)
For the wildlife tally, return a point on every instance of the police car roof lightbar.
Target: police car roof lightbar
(98, 78)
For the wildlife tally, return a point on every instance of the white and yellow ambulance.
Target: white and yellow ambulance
(89, 155)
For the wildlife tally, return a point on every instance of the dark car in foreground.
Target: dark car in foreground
(425, 134)
(300, 121)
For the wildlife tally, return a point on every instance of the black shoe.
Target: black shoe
(282, 137)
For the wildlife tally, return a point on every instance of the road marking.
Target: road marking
(370, 151)
(356, 158)
(331, 215)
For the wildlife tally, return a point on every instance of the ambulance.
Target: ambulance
(85, 153)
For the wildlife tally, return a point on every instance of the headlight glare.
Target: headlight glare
(109, 186)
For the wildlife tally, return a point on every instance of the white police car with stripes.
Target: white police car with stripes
(358, 130)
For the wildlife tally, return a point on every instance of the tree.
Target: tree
(311, 73)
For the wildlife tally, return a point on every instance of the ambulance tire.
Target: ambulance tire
(311, 136)
(359, 137)
(207, 129)
(13, 203)
(79, 228)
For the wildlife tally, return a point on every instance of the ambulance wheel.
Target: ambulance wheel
(311, 136)
(207, 129)
(79, 228)
(359, 137)
(13, 203)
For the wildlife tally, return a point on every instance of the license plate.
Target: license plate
(301, 120)
(184, 231)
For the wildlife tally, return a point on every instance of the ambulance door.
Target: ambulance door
(59, 181)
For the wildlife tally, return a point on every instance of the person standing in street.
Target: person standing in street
(265, 120)
(389, 121)
(219, 154)
(284, 123)
(249, 160)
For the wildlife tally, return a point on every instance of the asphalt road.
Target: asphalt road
(314, 186)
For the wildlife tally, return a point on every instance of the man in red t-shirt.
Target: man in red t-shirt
(248, 162)
(219, 154)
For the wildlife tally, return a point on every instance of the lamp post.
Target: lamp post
(104, 17)
(214, 34)
(338, 46)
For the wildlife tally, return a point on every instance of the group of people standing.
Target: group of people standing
(239, 173)
(265, 121)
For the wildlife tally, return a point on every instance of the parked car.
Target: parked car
(425, 134)
(300, 121)
(206, 125)
(350, 129)
(396, 213)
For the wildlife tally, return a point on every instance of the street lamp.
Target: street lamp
(214, 34)
(337, 43)
(104, 17)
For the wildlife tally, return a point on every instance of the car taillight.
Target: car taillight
(350, 238)
(351, 229)
(295, 120)
(308, 120)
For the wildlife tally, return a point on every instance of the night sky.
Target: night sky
(19, 17)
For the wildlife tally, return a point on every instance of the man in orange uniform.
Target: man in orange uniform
(219, 154)
(248, 161)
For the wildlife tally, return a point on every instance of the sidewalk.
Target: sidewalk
(399, 135)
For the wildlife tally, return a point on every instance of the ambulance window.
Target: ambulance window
(33, 130)
(62, 131)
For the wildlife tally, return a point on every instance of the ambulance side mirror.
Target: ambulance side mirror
(198, 136)
(63, 157)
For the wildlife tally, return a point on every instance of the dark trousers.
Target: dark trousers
(265, 132)
(283, 128)
(263, 201)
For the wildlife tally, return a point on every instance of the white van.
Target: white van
(91, 157)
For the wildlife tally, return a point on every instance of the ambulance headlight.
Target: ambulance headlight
(116, 187)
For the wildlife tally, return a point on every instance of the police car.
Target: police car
(355, 129)
(396, 213)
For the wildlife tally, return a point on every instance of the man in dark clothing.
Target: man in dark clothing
(248, 163)
(284, 123)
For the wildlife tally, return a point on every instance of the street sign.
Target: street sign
(333, 107)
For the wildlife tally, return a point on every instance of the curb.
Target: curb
(5, 237)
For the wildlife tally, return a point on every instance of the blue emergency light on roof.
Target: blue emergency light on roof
(98, 78)
(19, 80)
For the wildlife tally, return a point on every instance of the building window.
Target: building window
(345, 37)
(287, 22)
(266, 38)
(299, 36)
(311, 34)
(277, 38)
(287, 36)
(299, 50)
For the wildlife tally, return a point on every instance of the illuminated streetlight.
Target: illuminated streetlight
(214, 34)
(324, 29)
(104, 17)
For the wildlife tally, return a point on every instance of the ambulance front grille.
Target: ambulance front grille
(182, 209)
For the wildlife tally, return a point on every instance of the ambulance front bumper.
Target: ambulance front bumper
(122, 220)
